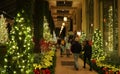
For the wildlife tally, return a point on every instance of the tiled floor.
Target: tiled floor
(69, 69)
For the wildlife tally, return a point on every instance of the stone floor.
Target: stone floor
(63, 68)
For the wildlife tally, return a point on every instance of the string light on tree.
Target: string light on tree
(19, 58)
(97, 40)
(3, 30)
(46, 30)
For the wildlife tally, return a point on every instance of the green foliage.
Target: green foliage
(97, 45)
(52, 68)
(2, 55)
(112, 59)
(3, 30)
(19, 49)
(82, 37)
(46, 30)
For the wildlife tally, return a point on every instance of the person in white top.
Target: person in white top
(68, 47)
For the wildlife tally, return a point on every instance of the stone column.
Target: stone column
(96, 14)
(101, 15)
(38, 15)
(84, 19)
(74, 21)
(67, 26)
(78, 18)
(119, 27)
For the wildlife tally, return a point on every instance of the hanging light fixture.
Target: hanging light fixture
(63, 24)
(65, 18)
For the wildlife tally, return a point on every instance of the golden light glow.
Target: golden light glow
(65, 18)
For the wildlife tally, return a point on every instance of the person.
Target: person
(62, 47)
(68, 47)
(87, 54)
(76, 49)
(58, 43)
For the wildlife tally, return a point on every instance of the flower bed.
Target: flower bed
(104, 68)
(46, 63)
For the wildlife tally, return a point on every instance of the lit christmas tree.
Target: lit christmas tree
(3, 30)
(98, 45)
(82, 37)
(19, 58)
(47, 37)
(46, 31)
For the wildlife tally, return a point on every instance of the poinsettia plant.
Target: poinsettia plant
(42, 71)
(44, 45)
(46, 60)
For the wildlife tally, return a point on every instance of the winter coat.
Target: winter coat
(87, 50)
(76, 47)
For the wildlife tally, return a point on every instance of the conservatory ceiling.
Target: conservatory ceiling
(59, 9)
(63, 8)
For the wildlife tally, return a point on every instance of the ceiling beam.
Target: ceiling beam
(60, 0)
(59, 14)
(59, 23)
(56, 19)
(62, 8)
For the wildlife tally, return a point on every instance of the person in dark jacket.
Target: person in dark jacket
(87, 54)
(76, 49)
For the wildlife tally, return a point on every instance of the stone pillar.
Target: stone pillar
(38, 15)
(74, 21)
(84, 19)
(119, 27)
(78, 18)
(101, 15)
(96, 14)
(74, 28)
(67, 26)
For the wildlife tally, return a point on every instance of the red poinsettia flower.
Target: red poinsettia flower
(42, 41)
(36, 71)
(105, 69)
(90, 42)
(93, 61)
(118, 72)
(44, 45)
(47, 71)
(106, 72)
(111, 72)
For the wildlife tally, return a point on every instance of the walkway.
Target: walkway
(64, 65)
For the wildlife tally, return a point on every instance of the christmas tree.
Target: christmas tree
(3, 30)
(98, 51)
(19, 58)
(82, 37)
(46, 31)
